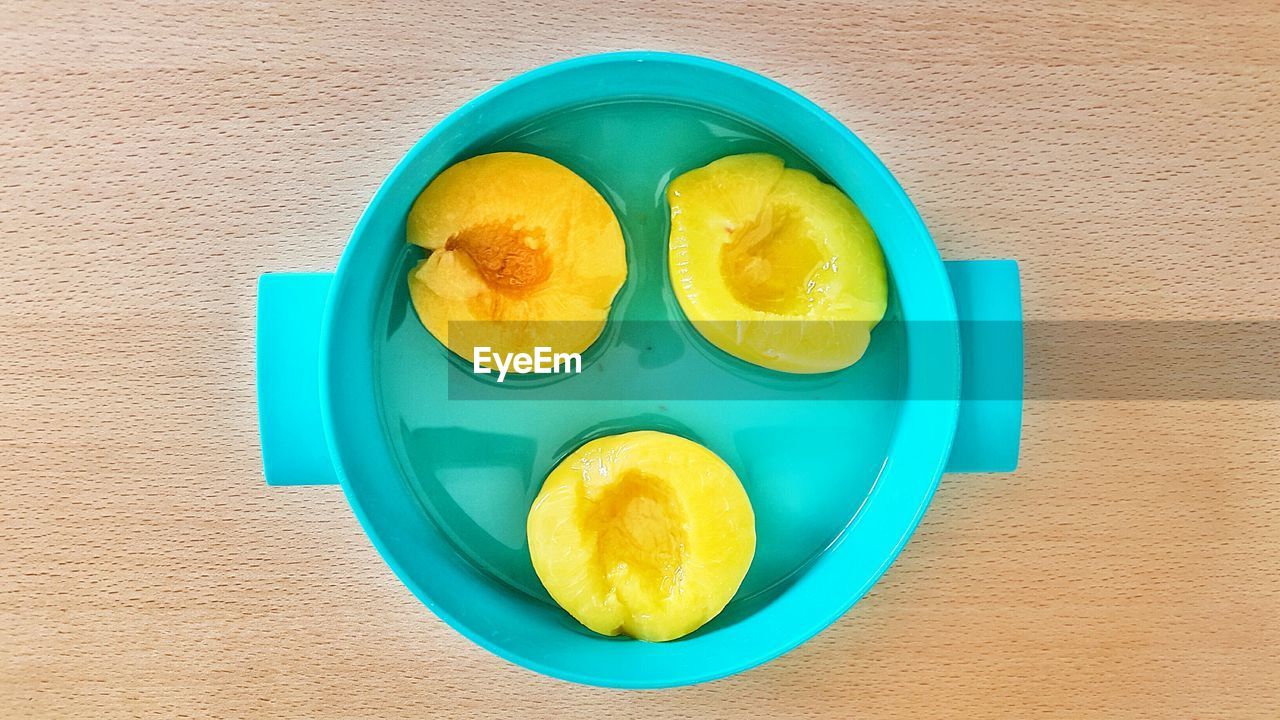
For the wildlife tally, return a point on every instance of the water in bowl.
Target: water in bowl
(806, 457)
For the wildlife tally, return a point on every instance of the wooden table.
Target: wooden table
(158, 156)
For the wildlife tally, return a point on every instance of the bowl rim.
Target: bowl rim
(926, 424)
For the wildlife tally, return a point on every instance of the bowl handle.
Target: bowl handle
(294, 449)
(989, 306)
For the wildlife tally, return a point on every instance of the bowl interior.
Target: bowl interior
(476, 457)
(442, 471)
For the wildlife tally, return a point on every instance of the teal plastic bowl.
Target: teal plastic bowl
(353, 390)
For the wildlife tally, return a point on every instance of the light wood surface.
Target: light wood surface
(158, 156)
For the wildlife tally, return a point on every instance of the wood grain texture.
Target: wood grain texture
(158, 156)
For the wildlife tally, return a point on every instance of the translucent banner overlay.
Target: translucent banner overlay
(1062, 360)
